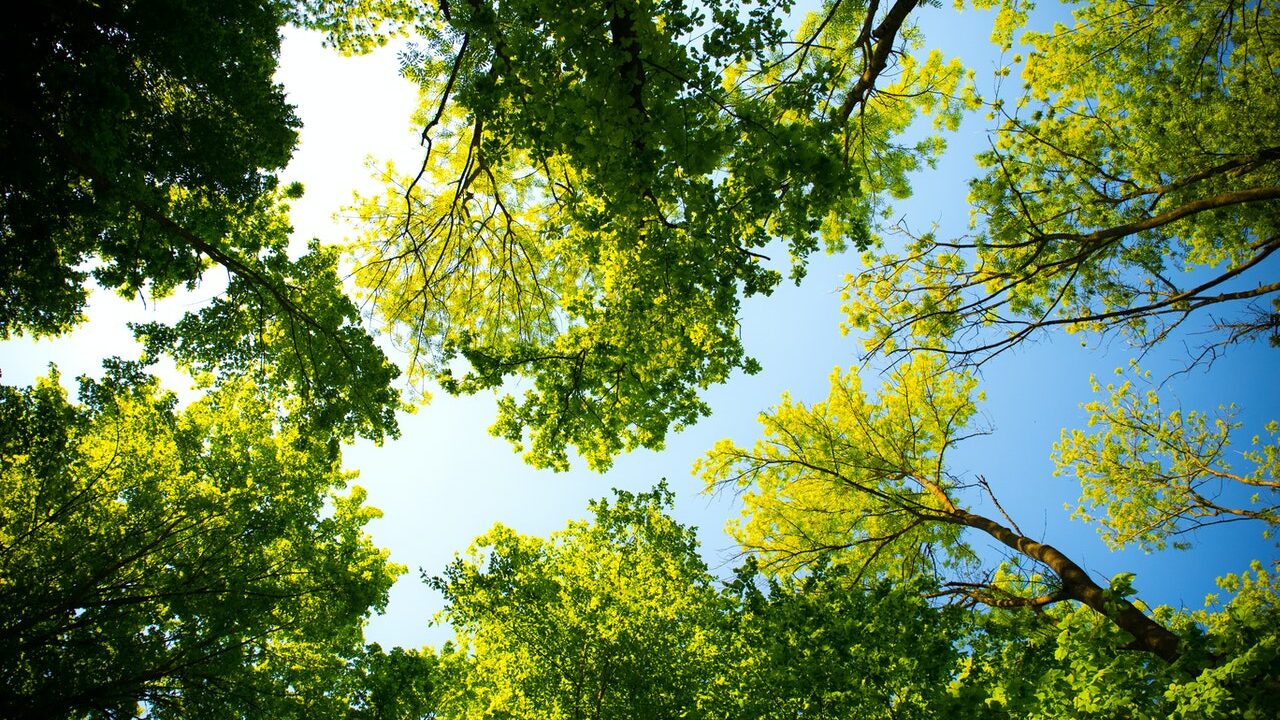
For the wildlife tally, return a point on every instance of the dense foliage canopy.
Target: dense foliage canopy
(617, 617)
(1133, 183)
(132, 134)
(608, 619)
(142, 142)
(201, 561)
(601, 185)
(600, 181)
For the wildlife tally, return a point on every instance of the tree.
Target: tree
(308, 341)
(1096, 188)
(820, 646)
(142, 142)
(367, 684)
(186, 124)
(866, 480)
(194, 562)
(862, 484)
(618, 617)
(607, 619)
(1062, 662)
(1134, 184)
(600, 182)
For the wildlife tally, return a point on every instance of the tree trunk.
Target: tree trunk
(1148, 634)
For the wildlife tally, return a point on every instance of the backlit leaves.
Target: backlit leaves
(601, 183)
(173, 557)
(1149, 474)
(860, 477)
(1133, 183)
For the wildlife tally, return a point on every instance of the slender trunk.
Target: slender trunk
(1148, 634)
(876, 57)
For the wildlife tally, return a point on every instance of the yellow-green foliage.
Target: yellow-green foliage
(596, 199)
(201, 561)
(613, 618)
(852, 473)
(1148, 474)
(1134, 174)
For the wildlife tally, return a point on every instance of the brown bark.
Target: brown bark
(877, 55)
(1148, 634)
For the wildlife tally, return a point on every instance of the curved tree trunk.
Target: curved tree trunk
(1148, 634)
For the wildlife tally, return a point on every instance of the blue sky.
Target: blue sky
(446, 480)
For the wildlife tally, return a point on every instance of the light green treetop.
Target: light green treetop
(1149, 474)
(858, 475)
(864, 481)
(1135, 181)
(188, 559)
(600, 185)
(607, 619)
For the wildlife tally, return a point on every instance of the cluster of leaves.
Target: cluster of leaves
(619, 617)
(203, 561)
(1159, 474)
(602, 620)
(200, 561)
(826, 646)
(142, 144)
(289, 325)
(120, 122)
(858, 475)
(600, 181)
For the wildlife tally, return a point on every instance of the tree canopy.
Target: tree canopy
(1149, 474)
(143, 142)
(867, 481)
(601, 186)
(607, 619)
(198, 561)
(616, 617)
(133, 133)
(1132, 183)
(600, 183)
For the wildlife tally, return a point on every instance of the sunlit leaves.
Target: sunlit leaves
(1242, 633)
(595, 198)
(859, 476)
(824, 646)
(1131, 184)
(1087, 152)
(172, 557)
(1149, 474)
(611, 618)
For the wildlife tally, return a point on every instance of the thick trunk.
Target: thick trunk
(1148, 634)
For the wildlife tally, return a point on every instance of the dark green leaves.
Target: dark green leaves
(112, 112)
(297, 332)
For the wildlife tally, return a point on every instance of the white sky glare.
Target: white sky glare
(447, 480)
